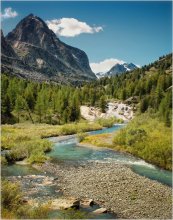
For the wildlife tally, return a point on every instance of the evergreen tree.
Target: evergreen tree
(29, 96)
(39, 106)
(19, 106)
(144, 105)
(102, 104)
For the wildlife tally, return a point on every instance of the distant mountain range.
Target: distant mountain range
(33, 51)
(117, 69)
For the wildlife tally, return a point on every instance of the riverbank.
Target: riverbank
(144, 137)
(19, 141)
(114, 187)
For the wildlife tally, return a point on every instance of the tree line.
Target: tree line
(59, 104)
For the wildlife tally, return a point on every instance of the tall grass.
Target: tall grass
(13, 207)
(147, 138)
(108, 122)
(27, 141)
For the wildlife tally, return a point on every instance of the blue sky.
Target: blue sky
(137, 32)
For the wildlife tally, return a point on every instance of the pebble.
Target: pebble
(117, 187)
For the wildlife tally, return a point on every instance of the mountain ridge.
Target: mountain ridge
(117, 69)
(44, 55)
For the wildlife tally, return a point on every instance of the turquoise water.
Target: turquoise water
(67, 151)
(114, 128)
(160, 175)
(18, 170)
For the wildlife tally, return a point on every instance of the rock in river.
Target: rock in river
(63, 203)
(100, 211)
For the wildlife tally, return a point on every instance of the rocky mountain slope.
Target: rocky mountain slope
(40, 55)
(118, 69)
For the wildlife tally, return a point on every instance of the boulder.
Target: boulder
(87, 202)
(63, 203)
(100, 211)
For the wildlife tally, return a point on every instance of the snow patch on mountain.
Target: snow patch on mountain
(110, 67)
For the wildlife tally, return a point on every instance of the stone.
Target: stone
(63, 203)
(87, 202)
(100, 211)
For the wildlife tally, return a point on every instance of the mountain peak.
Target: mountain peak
(32, 30)
(118, 68)
(38, 46)
(30, 15)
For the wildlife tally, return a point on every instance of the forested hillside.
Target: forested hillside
(58, 104)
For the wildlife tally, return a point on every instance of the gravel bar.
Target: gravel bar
(115, 187)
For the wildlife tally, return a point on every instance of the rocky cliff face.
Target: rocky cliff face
(44, 56)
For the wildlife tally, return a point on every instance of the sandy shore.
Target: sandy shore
(114, 187)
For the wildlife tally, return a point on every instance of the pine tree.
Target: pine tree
(19, 106)
(102, 104)
(39, 106)
(144, 105)
(29, 97)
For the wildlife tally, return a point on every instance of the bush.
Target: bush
(106, 122)
(68, 129)
(12, 205)
(81, 136)
(3, 161)
(147, 138)
(37, 157)
(17, 153)
(11, 196)
(22, 140)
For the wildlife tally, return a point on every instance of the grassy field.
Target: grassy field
(145, 137)
(27, 141)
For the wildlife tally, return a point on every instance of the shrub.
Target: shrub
(147, 138)
(3, 161)
(16, 154)
(11, 196)
(68, 129)
(12, 206)
(81, 136)
(37, 157)
(106, 122)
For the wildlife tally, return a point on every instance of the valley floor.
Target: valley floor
(114, 187)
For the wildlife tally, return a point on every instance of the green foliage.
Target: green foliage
(24, 141)
(37, 157)
(144, 105)
(102, 104)
(59, 104)
(81, 136)
(74, 214)
(107, 122)
(147, 138)
(11, 196)
(165, 108)
(3, 161)
(12, 206)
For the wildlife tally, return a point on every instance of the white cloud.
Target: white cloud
(71, 27)
(105, 65)
(8, 13)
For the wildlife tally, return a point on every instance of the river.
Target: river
(68, 151)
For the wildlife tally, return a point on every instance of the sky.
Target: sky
(109, 32)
